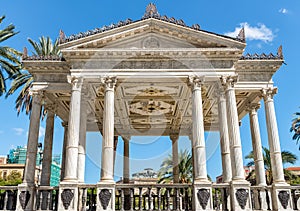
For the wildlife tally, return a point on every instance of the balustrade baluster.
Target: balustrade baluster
(158, 199)
(5, 200)
(40, 200)
(168, 198)
(84, 198)
(131, 199)
(122, 200)
(177, 199)
(48, 205)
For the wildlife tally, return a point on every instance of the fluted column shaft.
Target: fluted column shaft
(73, 131)
(33, 136)
(224, 138)
(126, 164)
(63, 157)
(82, 139)
(48, 145)
(273, 136)
(256, 144)
(108, 130)
(198, 130)
(175, 158)
(233, 129)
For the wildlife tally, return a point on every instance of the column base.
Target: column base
(105, 196)
(240, 196)
(202, 196)
(282, 197)
(26, 197)
(68, 197)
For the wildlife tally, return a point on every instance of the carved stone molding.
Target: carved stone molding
(109, 82)
(203, 196)
(75, 81)
(268, 93)
(66, 197)
(104, 196)
(228, 81)
(284, 198)
(196, 81)
(242, 196)
(24, 198)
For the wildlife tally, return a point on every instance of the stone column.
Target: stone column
(281, 196)
(174, 139)
(26, 190)
(48, 143)
(68, 190)
(224, 138)
(240, 188)
(63, 157)
(201, 185)
(73, 131)
(82, 137)
(256, 144)
(198, 130)
(126, 164)
(108, 130)
(106, 186)
(237, 166)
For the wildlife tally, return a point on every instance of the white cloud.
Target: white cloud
(283, 11)
(259, 32)
(18, 131)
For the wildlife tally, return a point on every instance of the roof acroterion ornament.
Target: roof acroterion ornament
(151, 11)
(25, 53)
(279, 52)
(241, 36)
(62, 36)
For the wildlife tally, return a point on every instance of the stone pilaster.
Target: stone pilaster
(256, 144)
(281, 194)
(26, 190)
(126, 164)
(82, 136)
(224, 138)
(175, 159)
(108, 130)
(48, 145)
(201, 186)
(63, 157)
(240, 188)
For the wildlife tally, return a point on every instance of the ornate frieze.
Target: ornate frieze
(284, 198)
(242, 196)
(104, 197)
(203, 196)
(67, 196)
(24, 199)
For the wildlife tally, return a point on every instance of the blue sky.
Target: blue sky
(268, 24)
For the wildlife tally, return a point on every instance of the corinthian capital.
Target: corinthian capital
(268, 93)
(109, 81)
(253, 107)
(196, 81)
(228, 81)
(75, 81)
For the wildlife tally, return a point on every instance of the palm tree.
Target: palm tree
(296, 128)
(9, 57)
(165, 173)
(45, 47)
(287, 157)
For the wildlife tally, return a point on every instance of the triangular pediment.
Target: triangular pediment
(150, 33)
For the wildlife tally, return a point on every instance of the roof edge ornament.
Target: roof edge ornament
(279, 52)
(151, 11)
(62, 36)
(241, 36)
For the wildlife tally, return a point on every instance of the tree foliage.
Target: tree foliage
(13, 179)
(295, 128)
(23, 80)
(9, 58)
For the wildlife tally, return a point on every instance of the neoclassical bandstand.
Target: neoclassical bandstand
(153, 77)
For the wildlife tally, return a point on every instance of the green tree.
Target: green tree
(45, 47)
(295, 128)
(165, 174)
(287, 157)
(9, 57)
(13, 179)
